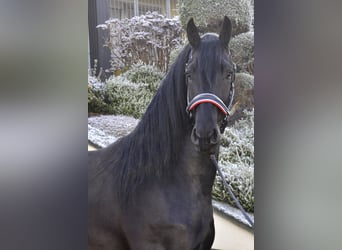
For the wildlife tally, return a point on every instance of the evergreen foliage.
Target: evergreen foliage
(127, 94)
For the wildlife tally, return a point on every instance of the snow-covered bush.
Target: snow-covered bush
(237, 162)
(148, 38)
(242, 49)
(209, 13)
(243, 98)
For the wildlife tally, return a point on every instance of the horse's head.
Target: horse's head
(210, 84)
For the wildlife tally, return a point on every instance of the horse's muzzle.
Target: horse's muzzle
(205, 141)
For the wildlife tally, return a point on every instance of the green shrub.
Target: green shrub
(96, 103)
(127, 94)
(145, 74)
(127, 98)
(237, 163)
(174, 54)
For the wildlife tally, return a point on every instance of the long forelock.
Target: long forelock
(210, 55)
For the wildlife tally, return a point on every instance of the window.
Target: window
(129, 8)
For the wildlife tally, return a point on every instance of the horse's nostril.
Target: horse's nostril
(214, 137)
(209, 138)
(194, 137)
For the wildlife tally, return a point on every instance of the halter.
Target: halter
(213, 99)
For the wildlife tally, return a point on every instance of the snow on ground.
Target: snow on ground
(105, 129)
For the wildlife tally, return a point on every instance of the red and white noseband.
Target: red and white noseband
(208, 98)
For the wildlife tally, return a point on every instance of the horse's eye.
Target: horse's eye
(228, 75)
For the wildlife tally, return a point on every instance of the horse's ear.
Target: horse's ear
(226, 31)
(192, 33)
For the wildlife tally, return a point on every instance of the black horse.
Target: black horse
(151, 189)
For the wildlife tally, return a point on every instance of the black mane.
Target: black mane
(153, 146)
